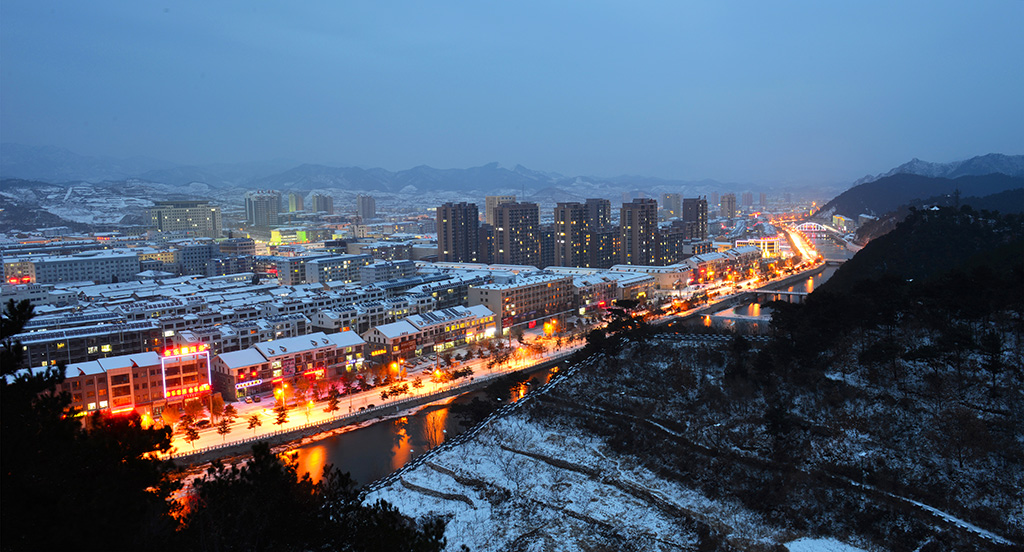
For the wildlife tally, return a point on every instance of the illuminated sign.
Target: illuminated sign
(123, 410)
(315, 374)
(245, 384)
(187, 350)
(188, 392)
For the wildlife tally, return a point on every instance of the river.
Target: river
(371, 452)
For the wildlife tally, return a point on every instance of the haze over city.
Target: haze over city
(746, 92)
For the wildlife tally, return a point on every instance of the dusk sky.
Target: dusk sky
(769, 92)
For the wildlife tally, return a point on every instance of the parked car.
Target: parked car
(203, 423)
(256, 399)
(248, 399)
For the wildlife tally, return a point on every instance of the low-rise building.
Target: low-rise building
(430, 332)
(274, 364)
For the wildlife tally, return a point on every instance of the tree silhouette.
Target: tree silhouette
(254, 422)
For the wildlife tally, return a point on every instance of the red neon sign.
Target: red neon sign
(123, 410)
(188, 350)
(188, 391)
(316, 373)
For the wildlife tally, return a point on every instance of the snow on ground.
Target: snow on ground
(526, 483)
(820, 545)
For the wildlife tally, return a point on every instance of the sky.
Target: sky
(743, 91)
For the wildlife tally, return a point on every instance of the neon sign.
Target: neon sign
(188, 392)
(245, 384)
(315, 373)
(187, 350)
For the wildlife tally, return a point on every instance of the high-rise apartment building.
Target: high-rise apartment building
(322, 203)
(262, 207)
(672, 205)
(458, 238)
(295, 201)
(366, 207)
(490, 202)
(638, 223)
(695, 215)
(572, 235)
(599, 213)
(763, 199)
(727, 208)
(747, 198)
(197, 218)
(516, 234)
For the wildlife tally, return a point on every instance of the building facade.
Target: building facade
(638, 222)
(262, 208)
(196, 218)
(517, 234)
(458, 237)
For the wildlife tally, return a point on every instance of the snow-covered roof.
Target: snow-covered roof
(241, 359)
(149, 358)
(346, 339)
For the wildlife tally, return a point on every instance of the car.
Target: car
(248, 399)
(256, 398)
(203, 423)
(369, 405)
(362, 408)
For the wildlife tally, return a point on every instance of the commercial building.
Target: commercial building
(196, 218)
(430, 332)
(457, 233)
(270, 365)
(262, 208)
(517, 234)
(146, 382)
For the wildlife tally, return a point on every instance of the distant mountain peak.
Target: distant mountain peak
(992, 163)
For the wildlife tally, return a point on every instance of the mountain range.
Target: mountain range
(55, 165)
(919, 180)
(1012, 165)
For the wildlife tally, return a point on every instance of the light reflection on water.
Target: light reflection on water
(374, 451)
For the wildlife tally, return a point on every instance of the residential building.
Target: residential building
(295, 201)
(322, 203)
(638, 222)
(728, 206)
(196, 218)
(490, 202)
(458, 233)
(339, 268)
(695, 216)
(271, 365)
(671, 205)
(366, 208)
(430, 332)
(262, 208)
(572, 235)
(525, 298)
(517, 234)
